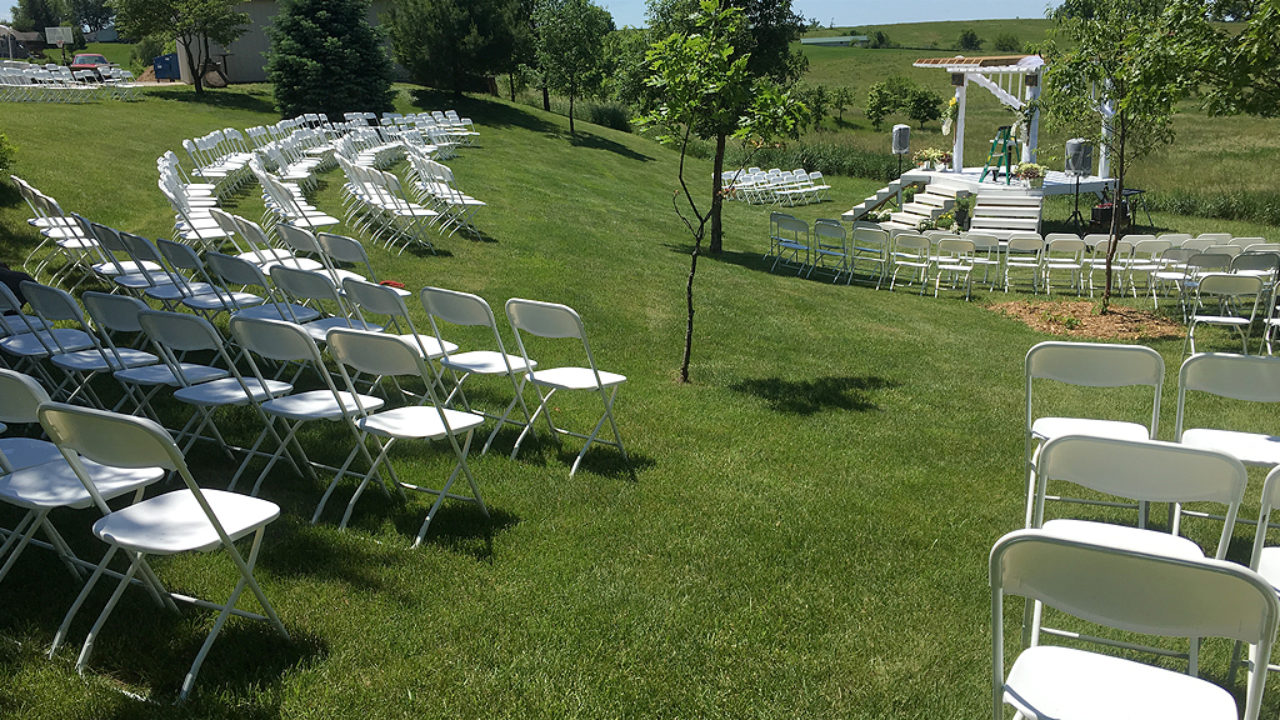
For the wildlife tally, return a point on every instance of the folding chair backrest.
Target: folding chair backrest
(117, 313)
(1134, 592)
(110, 439)
(544, 319)
(1095, 364)
(865, 236)
(955, 247)
(51, 304)
(20, 396)
(276, 339)
(1260, 261)
(1060, 236)
(1229, 285)
(305, 284)
(917, 245)
(982, 242)
(234, 271)
(798, 229)
(1151, 247)
(375, 354)
(298, 239)
(1239, 377)
(1174, 239)
(375, 298)
(180, 256)
(343, 249)
(458, 308)
(1026, 245)
(1215, 238)
(831, 230)
(180, 331)
(1149, 471)
(141, 249)
(1065, 246)
(1228, 250)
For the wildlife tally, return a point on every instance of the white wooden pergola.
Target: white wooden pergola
(1014, 80)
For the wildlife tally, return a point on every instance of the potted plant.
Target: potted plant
(924, 225)
(964, 210)
(945, 221)
(923, 158)
(943, 160)
(1031, 174)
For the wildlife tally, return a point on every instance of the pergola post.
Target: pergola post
(961, 83)
(1033, 125)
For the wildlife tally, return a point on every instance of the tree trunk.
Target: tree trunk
(717, 167)
(688, 297)
(571, 130)
(546, 99)
(1116, 205)
(197, 78)
(511, 78)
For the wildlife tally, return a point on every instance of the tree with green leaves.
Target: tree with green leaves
(325, 57)
(36, 15)
(765, 38)
(192, 23)
(93, 14)
(922, 105)
(704, 89)
(841, 98)
(1114, 59)
(453, 44)
(1237, 69)
(624, 65)
(817, 99)
(969, 40)
(570, 45)
(878, 39)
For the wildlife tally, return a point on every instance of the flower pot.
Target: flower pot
(1036, 182)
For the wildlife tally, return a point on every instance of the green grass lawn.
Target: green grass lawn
(806, 533)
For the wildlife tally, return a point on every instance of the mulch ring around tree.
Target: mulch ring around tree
(1080, 318)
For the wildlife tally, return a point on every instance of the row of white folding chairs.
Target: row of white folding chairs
(55, 84)
(376, 203)
(366, 146)
(434, 185)
(220, 157)
(285, 202)
(778, 187)
(64, 247)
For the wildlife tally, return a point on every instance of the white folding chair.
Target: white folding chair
(237, 272)
(1024, 253)
(1143, 471)
(187, 520)
(1131, 592)
(389, 356)
(954, 258)
(911, 251)
(1235, 377)
(459, 308)
(870, 248)
(316, 290)
(1096, 365)
(35, 478)
(550, 320)
(1229, 295)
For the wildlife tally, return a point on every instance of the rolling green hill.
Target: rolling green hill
(943, 35)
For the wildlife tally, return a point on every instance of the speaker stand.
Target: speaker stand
(1077, 219)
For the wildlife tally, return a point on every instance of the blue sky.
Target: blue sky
(865, 12)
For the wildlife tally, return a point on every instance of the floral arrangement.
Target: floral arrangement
(946, 221)
(1030, 171)
(950, 114)
(924, 225)
(932, 155)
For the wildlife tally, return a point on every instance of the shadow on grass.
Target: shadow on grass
(751, 260)
(603, 460)
(592, 141)
(807, 397)
(259, 102)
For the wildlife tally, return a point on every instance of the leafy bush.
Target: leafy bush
(147, 49)
(827, 158)
(898, 94)
(1007, 42)
(609, 114)
(969, 40)
(878, 39)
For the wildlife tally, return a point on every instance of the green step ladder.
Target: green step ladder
(1002, 152)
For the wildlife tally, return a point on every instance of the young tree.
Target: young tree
(841, 98)
(450, 43)
(570, 45)
(326, 57)
(703, 86)
(624, 65)
(922, 105)
(1113, 57)
(193, 23)
(818, 100)
(36, 15)
(764, 38)
(887, 97)
(969, 40)
(878, 39)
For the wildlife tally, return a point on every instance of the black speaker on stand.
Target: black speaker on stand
(901, 143)
(1078, 163)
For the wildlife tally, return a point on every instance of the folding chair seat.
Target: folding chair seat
(1097, 365)
(912, 252)
(38, 488)
(553, 321)
(1234, 377)
(1131, 592)
(371, 300)
(171, 288)
(342, 249)
(301, 287)
(1232, 295)
(301, 241)
(175, 333)
(180, 521)
(383, 355)
(283, 342)
(1143, 471)
(458, 308)
(236, 272)
(38, 342)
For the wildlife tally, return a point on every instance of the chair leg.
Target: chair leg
(87, 650)
(84, 594)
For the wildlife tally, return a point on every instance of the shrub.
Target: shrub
(1007, 42)
(325, 57)
(969, 40)
(147, 49)
(1260, 206)
(609, 114)
(878, 39)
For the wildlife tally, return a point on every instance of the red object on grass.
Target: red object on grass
(393, 283)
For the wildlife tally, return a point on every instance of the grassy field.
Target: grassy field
(806, 533)
(944, 35)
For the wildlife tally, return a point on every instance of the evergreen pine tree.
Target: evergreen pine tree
(326, 57)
